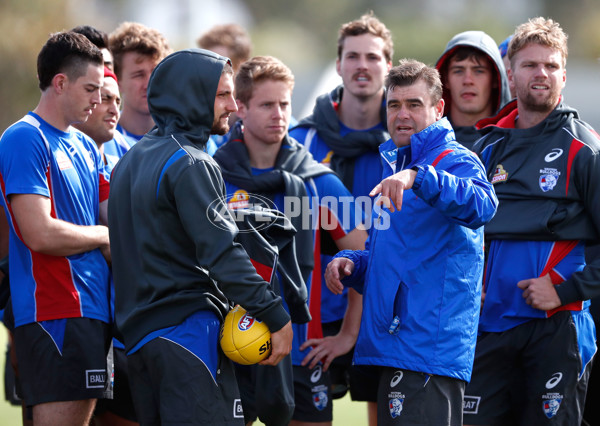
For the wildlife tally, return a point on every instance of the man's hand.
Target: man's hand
(392, 188)
(327, 349)
(337, 269)
(281, 345)
(539, 293)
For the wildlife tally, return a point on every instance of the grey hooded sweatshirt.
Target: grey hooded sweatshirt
(172, 238)
(467, 135)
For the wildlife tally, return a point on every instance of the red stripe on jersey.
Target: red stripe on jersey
(315, 329)
(265, 271)
(559, 250)
(104, 188)
(55, 292)
(331, 224)
(573, 150)
(442, 155)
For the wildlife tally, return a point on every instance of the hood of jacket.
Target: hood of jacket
(181, 93)
(483, 42)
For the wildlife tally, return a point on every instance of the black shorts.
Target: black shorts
(267, 392)
(528, 375)
(410, 398)
(62, 360)
(362, 380)
(312, 395)
(121, 403)
(172, 386)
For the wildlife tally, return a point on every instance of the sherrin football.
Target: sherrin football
(244, 339)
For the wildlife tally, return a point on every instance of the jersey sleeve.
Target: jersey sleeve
(24, 162)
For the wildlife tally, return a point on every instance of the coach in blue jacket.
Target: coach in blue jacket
(421, 273)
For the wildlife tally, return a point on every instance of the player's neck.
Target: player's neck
(462, 119)
(135, 122)
(528, 118)
(360, 113)
(51, 112)
(262, 155)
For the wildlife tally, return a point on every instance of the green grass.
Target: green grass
(345, 411)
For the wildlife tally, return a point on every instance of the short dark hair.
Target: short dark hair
(66, 52)
(409, 71)
(97, 37)
(366, 24)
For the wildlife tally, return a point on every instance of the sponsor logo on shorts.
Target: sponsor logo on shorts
(396, 403)
(316, 374)
(471, 404)
(320, 398)
(95, 379)
(238, 411)
(548, 178)
(396, 378)
(551, 404)
(553, 155)
(554, 380)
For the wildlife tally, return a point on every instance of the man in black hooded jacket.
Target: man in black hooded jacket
(176, 262)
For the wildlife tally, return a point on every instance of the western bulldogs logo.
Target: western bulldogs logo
(320, 400)
(548, 178)
(246, 322)
(551, 407)
(548, 182)
(396, 407)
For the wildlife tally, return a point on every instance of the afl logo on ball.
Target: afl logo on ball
(246, 321)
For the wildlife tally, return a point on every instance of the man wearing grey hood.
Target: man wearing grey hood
(475, 82)
(176, 263)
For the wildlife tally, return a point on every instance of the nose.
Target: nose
(403, 112)
(362, 62)
(468, 77)
(96, 97)
(231, 104)
(541, 71)
(113, 109)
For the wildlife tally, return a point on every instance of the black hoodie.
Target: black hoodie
(172, 237)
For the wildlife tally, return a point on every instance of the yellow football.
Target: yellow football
(244, 339)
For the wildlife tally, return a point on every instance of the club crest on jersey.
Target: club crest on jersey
(320, 399)
(551, 406)
(548, 178)
(500, 175)
(395, 406)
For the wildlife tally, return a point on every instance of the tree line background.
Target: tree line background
(302, 33)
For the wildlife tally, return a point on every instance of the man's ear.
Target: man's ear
(439, 109)
(59, 82)
(241, 112)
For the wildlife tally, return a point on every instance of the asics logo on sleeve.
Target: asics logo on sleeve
(553, 155)
(554, 380)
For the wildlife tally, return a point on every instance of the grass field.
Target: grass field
(345, 412)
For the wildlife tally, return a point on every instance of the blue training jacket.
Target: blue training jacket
(424, 264)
